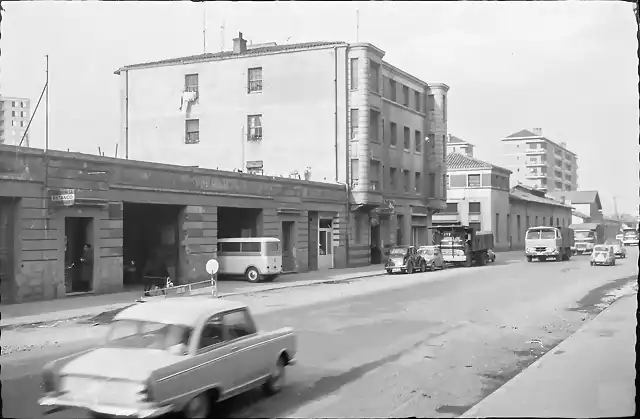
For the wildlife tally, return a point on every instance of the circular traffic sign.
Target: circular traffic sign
(212, 267)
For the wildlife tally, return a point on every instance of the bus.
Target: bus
(256, 258)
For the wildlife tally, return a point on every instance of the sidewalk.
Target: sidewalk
(590, 374)
(72, 307)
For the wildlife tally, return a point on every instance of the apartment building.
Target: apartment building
(14, 118)
(538, 162)
(460, 146)
(321, 111)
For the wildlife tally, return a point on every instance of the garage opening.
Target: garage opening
(151, 243)
(239, 222)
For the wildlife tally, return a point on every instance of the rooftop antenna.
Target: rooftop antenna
(222, 36)
(357, 24)
(204, 26)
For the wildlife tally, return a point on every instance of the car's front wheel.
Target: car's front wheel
(276, 380)
(253, 275)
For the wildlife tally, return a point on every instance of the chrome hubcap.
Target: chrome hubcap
(253, 275)
(197, 408)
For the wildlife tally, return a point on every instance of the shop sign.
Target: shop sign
(255, 164)
(66, 197)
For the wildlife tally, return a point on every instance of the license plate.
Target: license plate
(397, 269)
(180, 291)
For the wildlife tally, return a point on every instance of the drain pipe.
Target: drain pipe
(335, 105)
(347, 173)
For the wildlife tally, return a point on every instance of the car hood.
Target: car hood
(120, 363)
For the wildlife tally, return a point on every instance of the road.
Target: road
(428, 348)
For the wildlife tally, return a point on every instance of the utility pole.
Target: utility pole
(46, 112)
(357, 25)
(222, 36)
(615, 207)
(204, 27)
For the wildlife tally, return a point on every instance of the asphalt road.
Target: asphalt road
(430, 349)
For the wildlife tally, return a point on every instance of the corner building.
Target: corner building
(327, 112)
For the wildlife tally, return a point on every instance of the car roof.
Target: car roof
(184, 310)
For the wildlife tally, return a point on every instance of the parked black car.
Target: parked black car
(405, 259)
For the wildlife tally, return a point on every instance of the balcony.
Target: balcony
(532, 163)
(536, 175)
(536, 151)
(446, 217)
(366, 194)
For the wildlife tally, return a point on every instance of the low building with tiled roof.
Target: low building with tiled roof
(537, 161)
(586, 202)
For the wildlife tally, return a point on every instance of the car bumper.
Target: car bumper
(545, 253)
(146, 410)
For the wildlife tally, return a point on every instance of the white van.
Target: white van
(256, 258)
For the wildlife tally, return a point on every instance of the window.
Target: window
(392, 177)
(392, 90)
(518, 226)
(255, 79)
(417, 182)
(13, 104)
(374, 73)
(238, 324)
(417, 103)
(22, 123)
(474, 207)
(14, 123)
(544, 220)
(563, 220)
(528, 225)
(394, 134)
(431, 103)
(255, 127)
(23, 104)
(418, 140)
(354, 123)
(497, 227)
(405, 96)
(432, 140)
(273, 248)
(23, 114)
(354, 74)
(228, 247)
(447, 182)
(191, 83)
(444, 108)
(355, 173)
(407, 138)
(192, 127)
(407, 181)
(13, 113)
(473, 180)
(211, 333)
(452, 208)
(374, 126)
(558, 221)
(250, 247)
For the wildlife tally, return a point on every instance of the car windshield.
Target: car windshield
(584, 235)
(541, 234)
(601, 249)
(149, 335)
(631, 234)
(427, 252)
(398, 251)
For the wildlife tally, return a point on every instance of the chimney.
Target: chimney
(536, 131)
(239, 44)
(563, 145)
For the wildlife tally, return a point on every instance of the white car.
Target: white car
(603, 254)
(175, 355)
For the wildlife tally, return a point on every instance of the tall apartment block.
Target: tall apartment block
(14, 118)
(323, 111)
(540, 163)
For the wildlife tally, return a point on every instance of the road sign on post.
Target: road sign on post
(212, 267)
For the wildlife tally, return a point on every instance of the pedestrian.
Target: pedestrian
(86, 262)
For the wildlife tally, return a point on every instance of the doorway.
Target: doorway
(325, 244)
(78, 254)
(288, 258)
(376, 251)
(400, 228)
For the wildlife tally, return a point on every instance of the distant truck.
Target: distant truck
(630, 237)
(549, 242)
(463, 246)
(587, 236)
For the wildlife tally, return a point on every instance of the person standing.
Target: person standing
(86, 262)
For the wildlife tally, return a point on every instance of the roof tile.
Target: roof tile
(460, 161)
(227, 54)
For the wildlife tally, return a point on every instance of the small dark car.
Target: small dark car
(405, 259)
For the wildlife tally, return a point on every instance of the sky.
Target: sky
(570, 68)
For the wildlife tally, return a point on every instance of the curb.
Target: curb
(473, 411)
(78, 313)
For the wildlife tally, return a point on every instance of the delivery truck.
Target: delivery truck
(542, 243)
(587, 235)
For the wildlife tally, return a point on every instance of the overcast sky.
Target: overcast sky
(569, 68)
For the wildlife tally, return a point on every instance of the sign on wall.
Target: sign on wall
(66, 197)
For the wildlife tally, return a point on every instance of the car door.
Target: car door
(212, 350)
(246, 349)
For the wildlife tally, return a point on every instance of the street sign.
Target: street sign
(212, 267)
(65, 196)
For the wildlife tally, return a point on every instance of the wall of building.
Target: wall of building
(15, 115)
(297, 104)
(101, 186)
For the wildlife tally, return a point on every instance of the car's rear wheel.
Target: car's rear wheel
(276, 380)
(198, 407)
(252, 275)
